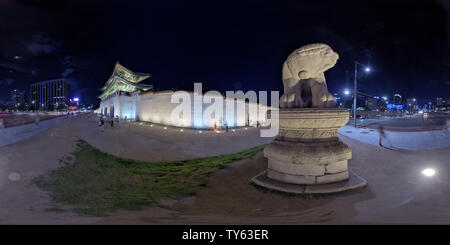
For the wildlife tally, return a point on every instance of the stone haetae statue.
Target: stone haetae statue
(307, 155)
(304, 78)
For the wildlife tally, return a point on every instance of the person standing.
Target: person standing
(112, 122)
(381, 133)
(226, 127)
(102, 125)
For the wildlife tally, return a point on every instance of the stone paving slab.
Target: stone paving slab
(353, 182)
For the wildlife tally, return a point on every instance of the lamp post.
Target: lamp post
(367, 69)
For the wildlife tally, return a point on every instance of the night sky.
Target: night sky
(227, 45)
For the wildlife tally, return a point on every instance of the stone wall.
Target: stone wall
(157, 108)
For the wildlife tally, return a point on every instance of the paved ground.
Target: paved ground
(143, 142)
(23, 203)
(10, 120)
(18, 133)
(397, 192)
(423, 140)
(406, 124)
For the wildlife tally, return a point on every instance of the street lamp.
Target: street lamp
(367, 69)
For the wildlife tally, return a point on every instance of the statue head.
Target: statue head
(310, 61)
(304, 78)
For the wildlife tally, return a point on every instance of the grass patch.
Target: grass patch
(98, 184)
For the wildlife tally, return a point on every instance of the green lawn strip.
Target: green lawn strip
(97, 183)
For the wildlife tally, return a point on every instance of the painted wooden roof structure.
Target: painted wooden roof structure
(123, 79)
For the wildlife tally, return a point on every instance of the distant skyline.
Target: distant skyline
(232, 45)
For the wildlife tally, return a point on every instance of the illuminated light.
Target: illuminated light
(234, 130)
(245, 128)
(429, 172)
(76, 99)
(165, 127)
(346, 92)
(217, 131)
(181, 130)
(367, 69)
(14, 176)
(200, 132)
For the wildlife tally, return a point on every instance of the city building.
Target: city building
(18, 97)
(372, 103)
(49, 93)
(123, 97)
(397, 99)
(439, 101)
(441, 104)
(412, 105)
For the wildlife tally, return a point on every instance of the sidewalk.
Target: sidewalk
(15, 134)
(424, 140)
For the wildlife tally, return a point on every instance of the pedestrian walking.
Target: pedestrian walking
(112, 122)
(102, 125)
(226, 127)
(36, 120)
(381, 133)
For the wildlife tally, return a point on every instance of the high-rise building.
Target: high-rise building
(439, 101)
(397, 99)
(18, 97)
(372, 103)
(49, 93)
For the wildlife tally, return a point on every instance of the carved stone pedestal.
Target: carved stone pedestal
(307, 156)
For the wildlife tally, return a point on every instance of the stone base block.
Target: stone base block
(296, 169)
(336, 167)
(289, 178)
(329, 178)
(352, 182)
(306, 179)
